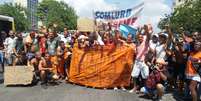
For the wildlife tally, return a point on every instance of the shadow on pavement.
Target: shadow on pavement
(178, 97)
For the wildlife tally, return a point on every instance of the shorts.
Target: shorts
(48, 75)
(146, 90)
(140, 67)
(194, 78)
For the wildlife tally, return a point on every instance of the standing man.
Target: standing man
(2, 38)
(141, 50)
(60, 56)
(9, 45)
(31, 41)
(42, 40)
(66, 38)
(19, 50)
(52, 44)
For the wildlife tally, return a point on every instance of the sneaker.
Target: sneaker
(115, 88)
(56, 77)
(131, 91)
(122, 88)
(66, 78)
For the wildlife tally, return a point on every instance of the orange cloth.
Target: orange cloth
(61, 66)
(55, 64)
(190, 70)
(101, 67)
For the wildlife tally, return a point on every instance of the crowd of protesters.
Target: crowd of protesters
(162, 60)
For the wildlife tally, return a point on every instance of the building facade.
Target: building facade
(31, 6)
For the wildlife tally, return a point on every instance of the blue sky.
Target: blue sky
(3, 1)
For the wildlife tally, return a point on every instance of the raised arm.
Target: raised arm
(170, 35)
(59, 53)
(148, 31)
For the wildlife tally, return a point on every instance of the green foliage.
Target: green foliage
(187, 16)
(53, 12)
(18, 13)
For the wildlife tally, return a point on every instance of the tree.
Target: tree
(18, 13)
(187, 16)
(53, 12)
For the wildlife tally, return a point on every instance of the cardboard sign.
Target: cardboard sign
(85, 25)
(18, 75)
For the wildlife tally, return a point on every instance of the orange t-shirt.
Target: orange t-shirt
(190, 70)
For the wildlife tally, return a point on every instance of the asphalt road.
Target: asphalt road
(67, 92)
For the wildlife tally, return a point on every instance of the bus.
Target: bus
(6, 23)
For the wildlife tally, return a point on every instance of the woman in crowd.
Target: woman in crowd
(193, 69)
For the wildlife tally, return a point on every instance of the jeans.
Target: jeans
(2, 60)
(1, 57)
(10, 59)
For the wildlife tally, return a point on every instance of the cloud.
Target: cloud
(153, 11)
(85, 8)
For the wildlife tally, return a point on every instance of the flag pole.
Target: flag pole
(94, 18)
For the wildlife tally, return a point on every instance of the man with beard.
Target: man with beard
(52, 44)
(45, 70)
(19, 50)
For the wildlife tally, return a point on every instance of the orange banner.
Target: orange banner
(101, 67)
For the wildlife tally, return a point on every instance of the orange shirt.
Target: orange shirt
(190, 70)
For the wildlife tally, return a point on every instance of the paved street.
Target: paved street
(67, 92)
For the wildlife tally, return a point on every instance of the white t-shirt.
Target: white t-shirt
(160, 52)
(10, 44)
(66, 39)
(152, 45)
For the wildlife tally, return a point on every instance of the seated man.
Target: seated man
(46, 70)
(155, 84)
(34, 61)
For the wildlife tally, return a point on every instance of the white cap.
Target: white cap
(155, 35)
(165, 34)
(82, 37)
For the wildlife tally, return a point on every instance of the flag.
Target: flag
(126, 29)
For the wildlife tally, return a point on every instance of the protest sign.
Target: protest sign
(85, 25)
(18, 75)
